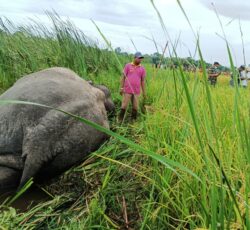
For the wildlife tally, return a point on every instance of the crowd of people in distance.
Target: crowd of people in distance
(239, 76)
(134, 74)
(242, 76)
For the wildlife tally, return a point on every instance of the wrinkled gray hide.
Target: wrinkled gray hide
(36, 141)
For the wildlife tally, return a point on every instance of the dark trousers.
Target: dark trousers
(212, 80)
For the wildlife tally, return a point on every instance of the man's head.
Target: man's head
(138, 58)
(216, 63)
(242, 67)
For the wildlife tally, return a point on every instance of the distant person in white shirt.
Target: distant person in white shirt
(243, 76)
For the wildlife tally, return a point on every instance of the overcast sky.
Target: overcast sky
(123, 20)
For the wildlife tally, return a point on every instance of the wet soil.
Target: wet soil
(26, 201)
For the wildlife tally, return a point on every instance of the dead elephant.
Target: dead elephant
(41, 142)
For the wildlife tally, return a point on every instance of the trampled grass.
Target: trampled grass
(204, 129)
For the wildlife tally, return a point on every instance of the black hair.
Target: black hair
(242, 67)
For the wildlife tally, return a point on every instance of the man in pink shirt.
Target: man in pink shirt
(132, 81)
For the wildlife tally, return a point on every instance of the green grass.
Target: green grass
(34, 47)
(121, 185)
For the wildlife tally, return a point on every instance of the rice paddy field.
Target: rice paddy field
(184, 164)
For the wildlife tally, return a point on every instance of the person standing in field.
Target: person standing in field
(243, 76)
(133, 80)
(213, 73)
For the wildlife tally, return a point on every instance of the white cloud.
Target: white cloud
(230, 8)
(125, 19)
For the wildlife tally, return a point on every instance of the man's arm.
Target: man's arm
(248, 75)
(214, 74)
(143, 88)
(122, 84)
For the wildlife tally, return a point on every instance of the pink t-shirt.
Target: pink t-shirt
(134, 75)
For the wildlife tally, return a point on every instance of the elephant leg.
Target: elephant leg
(12, 161)
(38, 145)
(9, 178)
(57, 134)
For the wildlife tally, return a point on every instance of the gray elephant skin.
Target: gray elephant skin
(39, 142)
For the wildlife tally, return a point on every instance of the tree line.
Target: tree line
(158, 60)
